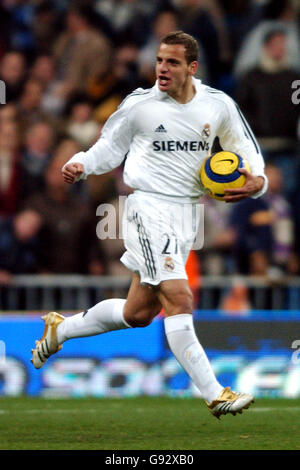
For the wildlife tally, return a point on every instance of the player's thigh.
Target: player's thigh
(176, 297)
(142, 303)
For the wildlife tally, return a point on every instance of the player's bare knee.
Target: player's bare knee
(176, 297)
(140, 320)
(184, 303)
(180, 302)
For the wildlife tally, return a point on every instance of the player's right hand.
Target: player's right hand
(72, 172)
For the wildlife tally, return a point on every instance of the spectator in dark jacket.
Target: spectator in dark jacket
(251, 221)
(35, 157)
(19, 244)
(264, 94)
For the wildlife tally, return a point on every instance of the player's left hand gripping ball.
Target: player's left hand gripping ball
(222, 171)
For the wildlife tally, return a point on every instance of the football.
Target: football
(219, 171)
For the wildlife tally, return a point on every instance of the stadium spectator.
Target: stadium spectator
(218, 238)
(39, 140)
(262, 245)
(46, 25)
(278, 15)
(123, 77)
(80, 124)
(236, 300)
(81, 52)
(164, 22)
(12, 72)
(251, 222)
(126, 68)
(259, 237)
(129, 19)
(43, 70)
(8, 113)
(283, 225)
(9, 167)
(19, 244)
(68, 229)
(205, 20)
(29, 105)
(273, 120)
(241, 17)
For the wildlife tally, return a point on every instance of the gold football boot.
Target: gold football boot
(230, 402)
(48, 344)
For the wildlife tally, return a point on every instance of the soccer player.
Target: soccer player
(165, 132)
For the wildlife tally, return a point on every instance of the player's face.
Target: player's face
(173, 73)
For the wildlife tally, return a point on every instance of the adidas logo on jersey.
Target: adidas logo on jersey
(160, 129)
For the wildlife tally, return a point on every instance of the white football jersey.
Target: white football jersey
(165, 142)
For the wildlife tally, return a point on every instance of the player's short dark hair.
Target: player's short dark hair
(188, 41)
(274, 32)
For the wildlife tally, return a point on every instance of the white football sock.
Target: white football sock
(189, 353)
(104, 316)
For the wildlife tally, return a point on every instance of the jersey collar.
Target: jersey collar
(162, 95)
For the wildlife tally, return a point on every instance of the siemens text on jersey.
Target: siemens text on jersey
(175, 145)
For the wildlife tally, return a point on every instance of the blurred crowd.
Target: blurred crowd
(67, 65)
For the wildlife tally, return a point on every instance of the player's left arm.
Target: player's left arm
(236, 136)
(106, 154)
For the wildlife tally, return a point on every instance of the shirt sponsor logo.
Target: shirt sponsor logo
(175, 145)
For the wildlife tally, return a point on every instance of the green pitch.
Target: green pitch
(145, 423)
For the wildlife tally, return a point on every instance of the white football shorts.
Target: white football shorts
(158, 236)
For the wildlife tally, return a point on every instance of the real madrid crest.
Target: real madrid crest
(169, 264)
(206, 131)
